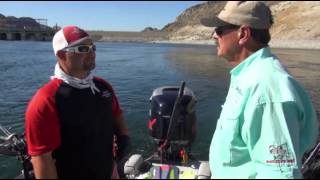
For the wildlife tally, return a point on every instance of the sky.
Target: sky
(100, 15)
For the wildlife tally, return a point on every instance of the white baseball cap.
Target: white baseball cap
(67, 37)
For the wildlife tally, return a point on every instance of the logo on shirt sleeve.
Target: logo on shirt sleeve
(281, 154)
(106, 94)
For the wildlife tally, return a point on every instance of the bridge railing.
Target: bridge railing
(25, 28)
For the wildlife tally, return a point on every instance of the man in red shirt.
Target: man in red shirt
(71, 121)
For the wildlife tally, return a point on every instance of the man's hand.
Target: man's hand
(123, 140)
(124, 146)
(123, 152)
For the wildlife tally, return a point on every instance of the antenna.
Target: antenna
(42, 21)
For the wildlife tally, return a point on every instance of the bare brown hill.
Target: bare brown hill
(294, 20)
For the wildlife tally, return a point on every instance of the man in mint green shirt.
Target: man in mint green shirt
(267, 122)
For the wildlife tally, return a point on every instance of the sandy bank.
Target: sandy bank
(296, 44)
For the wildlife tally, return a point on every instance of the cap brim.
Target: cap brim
(79, 41)
(213, 22)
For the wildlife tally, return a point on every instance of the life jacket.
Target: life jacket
(87, 129)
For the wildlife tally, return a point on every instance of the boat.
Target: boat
(172, 126)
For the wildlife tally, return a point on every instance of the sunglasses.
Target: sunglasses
(81, 49)
(221, 29)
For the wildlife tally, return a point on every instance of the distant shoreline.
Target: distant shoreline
(163, 38)
(292, 44)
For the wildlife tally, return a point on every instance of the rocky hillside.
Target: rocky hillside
(11, 22)
(296, 20)
(150, 29)
(192, 15)
(293, 20)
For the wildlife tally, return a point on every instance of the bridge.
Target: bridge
(13, 31)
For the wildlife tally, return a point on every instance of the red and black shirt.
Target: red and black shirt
(77, 125)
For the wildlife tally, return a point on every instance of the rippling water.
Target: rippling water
(135, 70)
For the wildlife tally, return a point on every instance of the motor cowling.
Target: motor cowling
(161, 106)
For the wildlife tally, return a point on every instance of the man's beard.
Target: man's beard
(89, 66)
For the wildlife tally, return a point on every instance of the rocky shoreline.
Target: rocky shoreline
(277, 43)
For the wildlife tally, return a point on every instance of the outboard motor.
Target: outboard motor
(183, 126)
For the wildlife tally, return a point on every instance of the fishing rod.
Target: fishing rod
(173, 118)
(174, 111)
(4, 130)
(309, 160)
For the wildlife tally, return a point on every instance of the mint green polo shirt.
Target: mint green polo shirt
(266, 124)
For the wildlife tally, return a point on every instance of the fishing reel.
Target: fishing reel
(12, 145)
(15, 145)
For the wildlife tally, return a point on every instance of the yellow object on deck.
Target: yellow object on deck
(187, 175)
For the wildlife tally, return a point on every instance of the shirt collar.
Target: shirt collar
(263, 52)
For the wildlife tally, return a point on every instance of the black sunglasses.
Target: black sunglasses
(221, 29)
